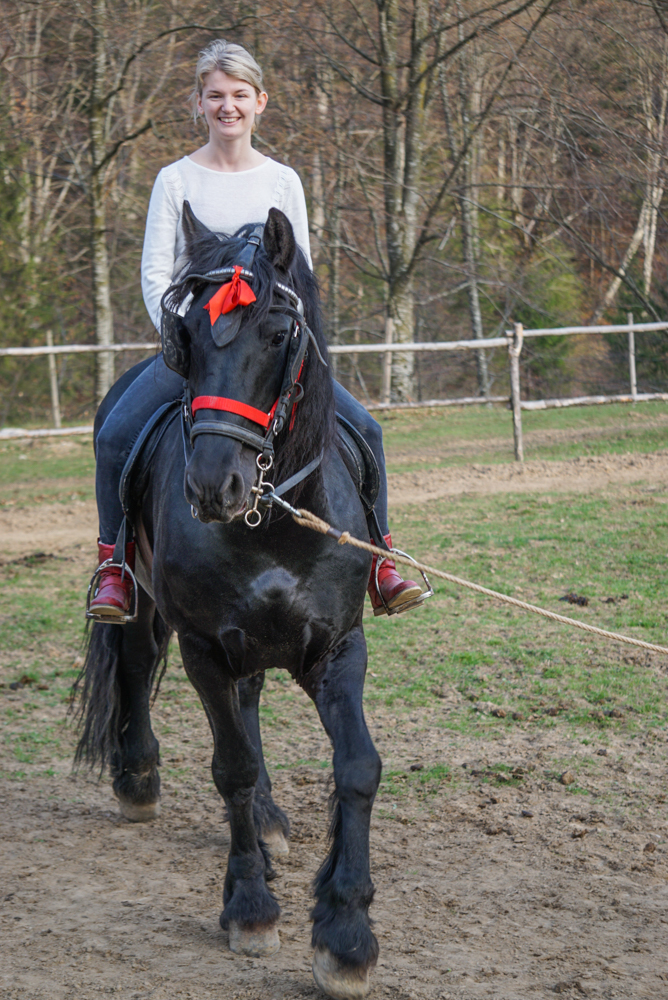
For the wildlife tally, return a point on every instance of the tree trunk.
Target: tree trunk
(471, 227)
(460, 125)
(649, 235)
(656, 125)
(104, 317)
(401, 309)
(403, 140)
(470, 244)
(631, 251)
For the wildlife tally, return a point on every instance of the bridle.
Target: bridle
(284, 408)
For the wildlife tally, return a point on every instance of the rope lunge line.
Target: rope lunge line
(309, 520)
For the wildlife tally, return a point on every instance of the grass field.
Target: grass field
(464, 655)
(448, 436)
(455, 436)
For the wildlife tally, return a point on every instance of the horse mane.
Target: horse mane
(314, 425)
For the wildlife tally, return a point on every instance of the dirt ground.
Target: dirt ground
(57, 525)
(496, 889)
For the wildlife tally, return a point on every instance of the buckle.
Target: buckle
(253, 516)
(124, 619)
(385, 609)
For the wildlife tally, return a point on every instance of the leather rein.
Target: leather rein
(273, 422)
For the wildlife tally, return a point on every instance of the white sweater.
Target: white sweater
(223, 202)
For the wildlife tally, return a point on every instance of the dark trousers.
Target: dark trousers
(158, 384)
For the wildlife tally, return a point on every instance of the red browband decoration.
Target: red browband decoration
(236, 292)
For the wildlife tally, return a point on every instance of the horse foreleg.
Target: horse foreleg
(251, 912)
(345, 947)
(271, 823)
(136, 781)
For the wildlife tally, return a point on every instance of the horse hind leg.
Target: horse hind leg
(271, 823)
(115, 685)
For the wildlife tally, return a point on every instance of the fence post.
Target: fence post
(53, 380)
(514, 351)
(632, 357)
(386, 390)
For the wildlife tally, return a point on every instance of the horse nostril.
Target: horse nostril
(232, 490)
(193, 484)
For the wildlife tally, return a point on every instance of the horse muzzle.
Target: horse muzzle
(217, 492)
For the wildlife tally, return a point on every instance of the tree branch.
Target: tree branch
(436, 203)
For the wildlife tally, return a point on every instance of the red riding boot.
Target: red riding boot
(114, 595)
(394, 591)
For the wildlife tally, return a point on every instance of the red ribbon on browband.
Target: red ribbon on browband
(236, 292)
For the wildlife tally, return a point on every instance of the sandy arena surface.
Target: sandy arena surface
(484, 891)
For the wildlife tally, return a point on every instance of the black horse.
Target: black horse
(244, 600)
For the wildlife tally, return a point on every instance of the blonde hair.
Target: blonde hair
(230, 58)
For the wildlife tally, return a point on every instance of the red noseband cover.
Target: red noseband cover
(236, 292)
(233, 406)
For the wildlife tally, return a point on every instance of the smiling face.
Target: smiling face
(229, 106)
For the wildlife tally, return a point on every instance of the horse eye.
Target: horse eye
(278, 338)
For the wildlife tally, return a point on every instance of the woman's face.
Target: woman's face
(229, 105)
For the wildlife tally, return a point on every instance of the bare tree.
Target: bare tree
(653, 86)
(389, 56)
(462, 114)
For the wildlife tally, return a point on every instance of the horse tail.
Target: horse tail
(162, 633)
(103, 706)
(101, 713)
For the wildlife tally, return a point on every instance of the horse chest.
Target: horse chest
(260, 612)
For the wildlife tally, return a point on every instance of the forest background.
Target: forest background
(466, 164)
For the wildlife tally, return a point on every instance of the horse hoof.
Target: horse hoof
(341, 982)
(139, 812)
(277, 844)
(256, 943)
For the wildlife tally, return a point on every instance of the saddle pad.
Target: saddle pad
(360, 462)
(135, 470)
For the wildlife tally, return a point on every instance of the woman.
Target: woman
(228, 184)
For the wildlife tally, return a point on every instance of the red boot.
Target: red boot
(115, 589)
(394, 590)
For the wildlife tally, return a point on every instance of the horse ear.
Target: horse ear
(279, 240)
(193, 229)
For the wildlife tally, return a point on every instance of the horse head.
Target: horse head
(241, 342)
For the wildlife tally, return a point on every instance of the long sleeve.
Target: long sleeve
(294, 206)
(160, 246)
(221, 201)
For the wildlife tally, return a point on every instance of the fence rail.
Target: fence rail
(394, 348)
(31, 352)
(512, 341)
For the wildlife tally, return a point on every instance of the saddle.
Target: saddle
(357, 457)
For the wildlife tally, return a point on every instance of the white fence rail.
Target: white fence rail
(513, 342)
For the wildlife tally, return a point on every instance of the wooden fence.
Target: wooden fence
(513, 341)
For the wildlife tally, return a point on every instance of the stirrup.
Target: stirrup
(385, 609)
(129, 616)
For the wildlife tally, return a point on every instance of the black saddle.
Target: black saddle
(355, 452)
